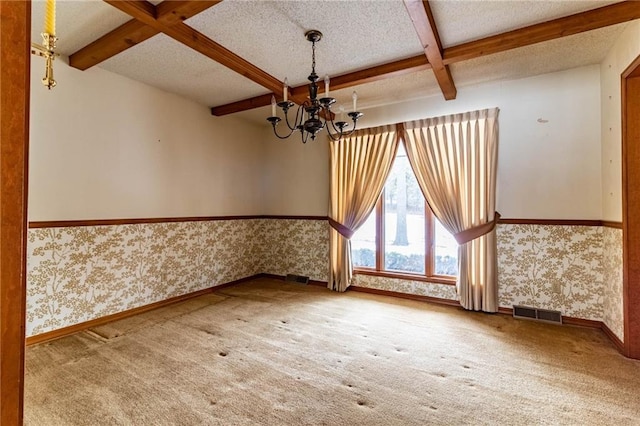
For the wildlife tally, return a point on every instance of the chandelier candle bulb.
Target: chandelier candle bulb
(326, 86)
(273, 106)
(285, 90)
(355, 100)
(50, 17)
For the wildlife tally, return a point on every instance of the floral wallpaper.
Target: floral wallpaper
(612, 281)
(552, 267)
(293, 246)
(546, 266)
(76, 274)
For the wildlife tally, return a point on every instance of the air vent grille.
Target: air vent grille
(524, 312)
(300, 279)
(551, 316)
(537, 314)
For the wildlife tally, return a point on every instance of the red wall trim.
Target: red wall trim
(294, 217)
(135, 221)
(564, 222)
(111, 222)
(610, 224)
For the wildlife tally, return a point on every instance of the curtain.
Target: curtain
(454, 159)
(360, 164)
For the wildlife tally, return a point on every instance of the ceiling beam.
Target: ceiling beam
(381, 72)
(573, 24)
(118, 40)
(244, 105)
(425, 26)
(188, 36)
(169, 12)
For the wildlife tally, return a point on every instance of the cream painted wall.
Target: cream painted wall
(295, 178)
(548, 170)
(623, 53)
(104, 146)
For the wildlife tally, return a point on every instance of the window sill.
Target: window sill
(409, 277)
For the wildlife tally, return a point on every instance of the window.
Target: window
(401, 236)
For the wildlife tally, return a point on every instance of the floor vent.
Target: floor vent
(300, 279)
(537, 314)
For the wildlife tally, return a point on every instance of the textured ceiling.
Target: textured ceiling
(554, 55)
(357, 35)
(462, 21)
(182, 70)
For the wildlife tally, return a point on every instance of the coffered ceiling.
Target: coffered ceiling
(231, 55)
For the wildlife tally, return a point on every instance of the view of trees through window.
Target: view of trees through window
(404, 244)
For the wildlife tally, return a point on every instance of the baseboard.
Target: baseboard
(614, 339)
(580, 322)
(62, 332)
(65, 331)
(282, 277)
(408, 296)
(505, 311)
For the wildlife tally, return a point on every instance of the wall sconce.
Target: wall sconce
(47, 49)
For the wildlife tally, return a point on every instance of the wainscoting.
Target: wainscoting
(78, 272)
(552, 267)
(575, 269)
(612, 304)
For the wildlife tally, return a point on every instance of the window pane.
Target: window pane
(446, 252)
(363, 244)
(404, 221)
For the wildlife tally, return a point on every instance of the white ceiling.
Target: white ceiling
(270, 34)
(463, 21)
(357, 34)
(169, 65)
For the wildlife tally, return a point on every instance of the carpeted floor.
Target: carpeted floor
(271, 353)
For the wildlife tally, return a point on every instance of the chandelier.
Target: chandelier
(314, 108)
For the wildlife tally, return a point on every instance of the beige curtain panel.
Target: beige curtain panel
(360, 165)
(455, 160)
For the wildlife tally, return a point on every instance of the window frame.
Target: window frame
(429, 229)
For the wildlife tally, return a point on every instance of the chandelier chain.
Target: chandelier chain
(313, 57)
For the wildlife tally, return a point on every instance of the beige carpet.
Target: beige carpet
(271, 353)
